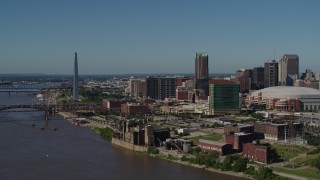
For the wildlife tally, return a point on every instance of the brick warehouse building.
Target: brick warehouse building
(236, 140)
(209, 146)
(259, 152)
(133, 108)
(277, 132)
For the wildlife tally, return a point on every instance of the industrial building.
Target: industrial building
(259, 152)
(237, 128)
(112, 104)
(283, 131)
(236, 140)
(138, 133)
(133, 108)
(220, 147)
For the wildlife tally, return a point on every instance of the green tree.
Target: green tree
(105, 133)
(184, 158)
(211, 159)
(152, 150)
(264, 173)
(197, 150)
(257, 116)
(250, 171)
(227, 163)
(201, 158)
(240, 165)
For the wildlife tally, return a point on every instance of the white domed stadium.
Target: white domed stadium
(286, 98)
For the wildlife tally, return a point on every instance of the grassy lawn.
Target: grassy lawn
(305, 160)
(211, 137)
(305, 172)
(289, 151)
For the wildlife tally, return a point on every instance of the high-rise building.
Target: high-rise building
(288, 65)
(161, 87)
(224, 97)
(201, 72)
(271, 77)
(139, 89)
(244, 79)
(131, 82)
(75, 93)
(201, 66)
(257, 81)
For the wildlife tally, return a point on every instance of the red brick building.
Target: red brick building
(277, 132)
(209, 146)
(259, 152)
(181, 80)
(133, 108)
(113, 105)
(182, 94)
(236, 140)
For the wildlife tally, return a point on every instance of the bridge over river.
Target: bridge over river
(32, 87)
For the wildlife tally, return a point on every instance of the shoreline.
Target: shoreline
(230, 173)
(66, 115)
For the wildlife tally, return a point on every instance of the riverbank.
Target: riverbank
(91, 122)
(230, 173)
(141, 149)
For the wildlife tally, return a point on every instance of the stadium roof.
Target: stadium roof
(288, 92)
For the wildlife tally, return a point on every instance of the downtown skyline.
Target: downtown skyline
(155, 37)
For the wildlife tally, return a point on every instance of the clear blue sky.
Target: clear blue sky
(155, 36)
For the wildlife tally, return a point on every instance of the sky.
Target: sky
(155, 36)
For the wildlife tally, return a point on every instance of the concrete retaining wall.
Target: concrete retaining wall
(128, 145)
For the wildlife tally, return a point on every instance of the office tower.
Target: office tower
(75, 78)
(288, 65)
(130, 88)
(201, 66)
(152, 87)
(160, 88)
(244, 79)
(139, 89)
(257, 81)
(271, 70)
(202, 72)
(224, 97)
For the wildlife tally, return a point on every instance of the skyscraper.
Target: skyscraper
(244, 79)
(288, 65)
(201, 72)
(201, 66)
(257, 78)
(75, 93)
(271, 76)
